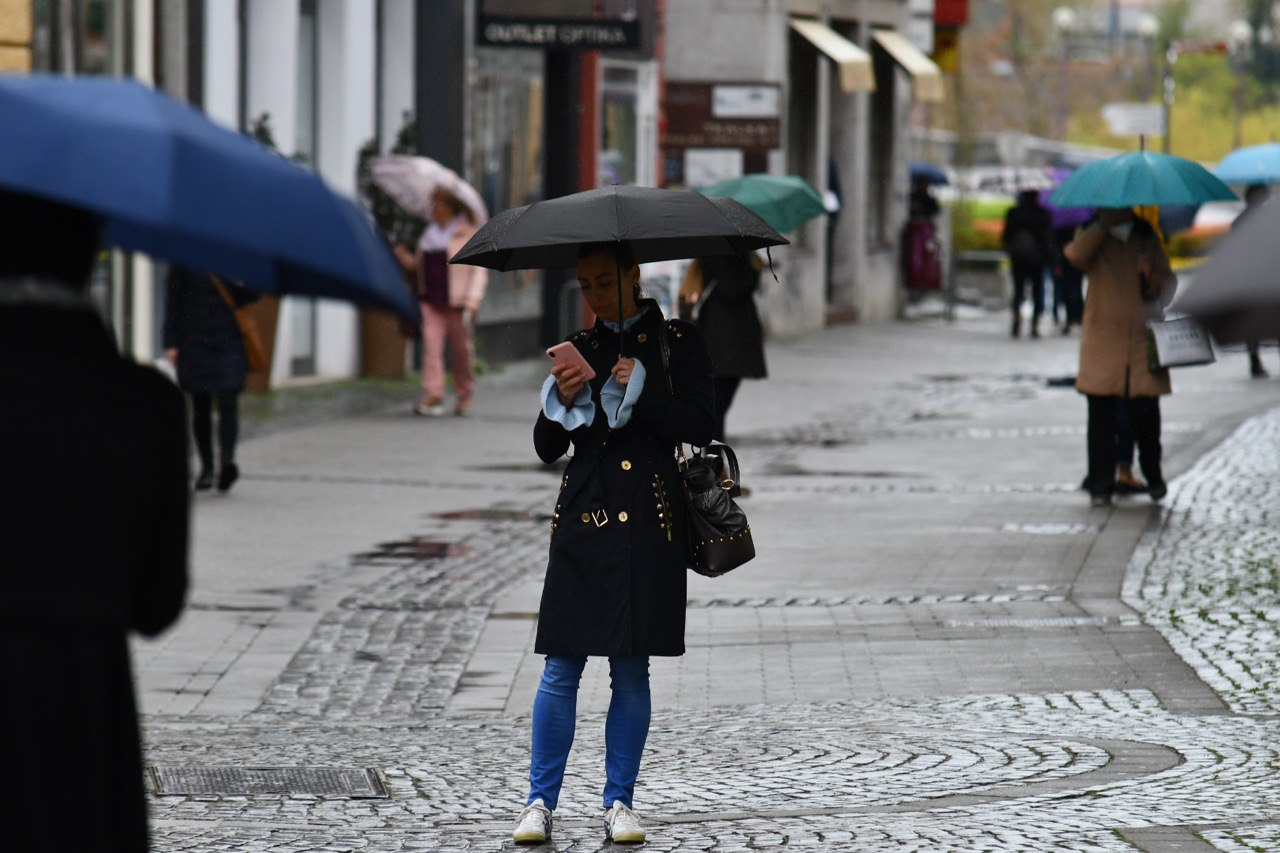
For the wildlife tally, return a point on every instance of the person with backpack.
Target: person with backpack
(1028, 239)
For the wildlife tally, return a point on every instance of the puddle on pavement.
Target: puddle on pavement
(556, 467)
(416, 548)
(491, 514)
(787, 469)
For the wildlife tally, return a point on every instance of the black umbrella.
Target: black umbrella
(660, 225)
(1235, 292)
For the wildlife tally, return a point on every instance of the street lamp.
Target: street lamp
(1239, 36)
(1148, 29)
(1064, 24)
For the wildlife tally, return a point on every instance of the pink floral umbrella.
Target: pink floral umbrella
(411, 181)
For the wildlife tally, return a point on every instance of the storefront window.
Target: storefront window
(504, 159)
(619, 125)
(77, 36)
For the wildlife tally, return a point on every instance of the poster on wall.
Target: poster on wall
(705, 166)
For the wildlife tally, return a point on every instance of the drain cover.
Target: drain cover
(349, 782)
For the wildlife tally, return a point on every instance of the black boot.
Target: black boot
(227, 476)
(1256, 370)
(204, 480)
(1017, 325)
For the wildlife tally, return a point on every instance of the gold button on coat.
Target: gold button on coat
(626, 464)
(622, 516)
(641, 338)
(586, 516)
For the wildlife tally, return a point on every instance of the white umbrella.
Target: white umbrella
(411, 181)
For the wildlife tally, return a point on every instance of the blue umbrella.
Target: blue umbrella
(928, 172)
(1254, 164)
(1140, 178)
(170, 183)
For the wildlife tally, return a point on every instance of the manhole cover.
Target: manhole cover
(490, 514)
(416, 549)
(349, 782)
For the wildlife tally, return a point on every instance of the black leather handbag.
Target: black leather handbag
(719, 537)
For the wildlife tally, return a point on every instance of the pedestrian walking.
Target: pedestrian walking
(1130, 281)
(615, 585)
(718, 295)
(204, 344)
(450, 296)
(1068, 282)
(1255, 196)
(1028, 239)
(93, 540)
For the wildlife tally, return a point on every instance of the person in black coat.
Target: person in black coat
(615, 584)
(1028, 238)
(720, 294)
(202, 340)
(93, 541)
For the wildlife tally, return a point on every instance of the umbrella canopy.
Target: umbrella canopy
(1236, 292)
(1254, 164)
(411, 182)
(660, 225)
(930, 173)
(170, 183)
(1140, 178)
(785, 202)
(1063, 217)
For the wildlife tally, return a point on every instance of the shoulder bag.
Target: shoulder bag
(254, 351)
(719, 537)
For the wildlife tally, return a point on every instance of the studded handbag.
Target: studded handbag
(719, 536)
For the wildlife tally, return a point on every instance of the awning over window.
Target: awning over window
(854, 62)
(926, 77)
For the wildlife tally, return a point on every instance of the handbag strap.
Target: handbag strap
(664, 349)
(226, 294)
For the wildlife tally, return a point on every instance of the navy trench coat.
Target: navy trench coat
(616, 576)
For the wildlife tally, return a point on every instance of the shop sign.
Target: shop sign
(558, 34)
(722, 115)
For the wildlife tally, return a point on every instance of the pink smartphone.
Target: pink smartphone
(567, 353)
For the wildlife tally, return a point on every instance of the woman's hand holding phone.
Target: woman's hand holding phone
(571, 371)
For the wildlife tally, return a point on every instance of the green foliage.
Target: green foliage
(392, 221)
(976, 224)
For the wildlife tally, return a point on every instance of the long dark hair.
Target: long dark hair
(622, 254)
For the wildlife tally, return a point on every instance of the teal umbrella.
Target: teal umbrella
(1140, 178)
(1255, 164)
(785, 202)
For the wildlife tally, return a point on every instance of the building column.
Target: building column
(396, 71)
(15, 35)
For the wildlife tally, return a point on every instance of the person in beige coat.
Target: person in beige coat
(450, 297)
(1130, 282)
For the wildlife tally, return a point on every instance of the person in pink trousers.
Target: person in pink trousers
(450, 298)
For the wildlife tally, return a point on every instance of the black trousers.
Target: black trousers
(725, 387)
(228, 425)
(1144, 413)
(1069, 291)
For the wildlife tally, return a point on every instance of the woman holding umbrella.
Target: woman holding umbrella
(450, 298)
(1130, 281)
(615, 584)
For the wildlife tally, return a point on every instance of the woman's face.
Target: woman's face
(441, 211)
(598, 279)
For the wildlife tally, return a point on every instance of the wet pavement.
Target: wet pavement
(939, 647)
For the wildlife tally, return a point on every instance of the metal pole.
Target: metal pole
(1170, 57)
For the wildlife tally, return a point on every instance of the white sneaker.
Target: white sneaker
(534, 824)
(622, 826)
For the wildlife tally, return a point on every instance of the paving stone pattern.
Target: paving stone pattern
(923, 775)
(1209, 578)
(993, 772)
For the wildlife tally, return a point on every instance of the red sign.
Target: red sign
(951, 13)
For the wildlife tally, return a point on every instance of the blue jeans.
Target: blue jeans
(625, 730)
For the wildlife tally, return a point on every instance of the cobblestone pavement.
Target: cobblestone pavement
(968, 567)
(1068, 771)
(1209, 577)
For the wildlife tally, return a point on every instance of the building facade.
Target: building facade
(818, 88)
